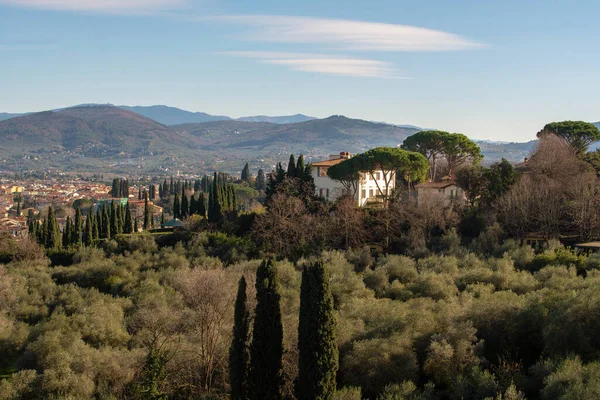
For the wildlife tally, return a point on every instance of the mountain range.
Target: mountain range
(90, 137)
(174, 116)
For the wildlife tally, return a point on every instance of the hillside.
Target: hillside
(323, 136)
(90, 130)
(174, 116)
(286, 119)
(5, 116)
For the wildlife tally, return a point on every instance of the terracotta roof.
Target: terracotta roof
(328, 163)
(435, 185)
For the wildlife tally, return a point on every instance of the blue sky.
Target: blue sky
(489, 69)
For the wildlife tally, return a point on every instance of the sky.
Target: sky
(496, 70)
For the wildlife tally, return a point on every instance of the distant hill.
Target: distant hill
(287, 119)
(333, 134)
(174, 116)
(108, 138)
(5, 116)
(91, 130)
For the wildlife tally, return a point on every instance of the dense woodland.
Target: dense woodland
(289, 300)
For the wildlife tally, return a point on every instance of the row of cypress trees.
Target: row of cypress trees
(256, 372)
(109, 220)
(222, 201)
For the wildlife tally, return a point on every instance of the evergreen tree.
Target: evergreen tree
(185, 207)
(146, 212)
(193, 205)
(238, 352)
(215, 197)
(246, 173)
(116, 188)
(197, 185)
(171, 187)
(52, 231)
(317, 349)
(88, 234)
(127, 227)
(261, 183)
(78, 228)
(135, 226)
(140, 193)
(43, 233)
(162, 219)
(301, 168)
(266, 350)
(19, 200)
(176, 207)
(291, 169)
(114, 223)
(66, 234)
(202, 205)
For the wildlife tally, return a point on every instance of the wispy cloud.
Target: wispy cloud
(97, 5)
(321, 63)
(349, 34)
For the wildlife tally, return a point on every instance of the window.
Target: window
(363, 194)
(322, 171)
(327, 193)
(370, 192)
(322, 192)
(378, 175)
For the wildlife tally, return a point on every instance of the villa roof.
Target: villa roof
(328, 163)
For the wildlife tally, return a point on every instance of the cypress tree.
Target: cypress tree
(43, 233)
(193, 205)
(260, 180)
(171, 187)
(266, 350)
(202, 205)
(162, 219)
(246, 173)
(95, 230)
(196, 185)
(300, 168)
(146, 212)
(88, 234)
(52, 231)
(78, 228)
(185, 207)
(114, 223)
(127, 227)
(291, 169)
(215, 201)
(176, 207)
(66, 234)
(115, 188)
(317, 349)
(135, 226)
(238, 352)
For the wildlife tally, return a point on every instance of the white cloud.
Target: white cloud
(97, 5)
(322, 63)
(356, 35)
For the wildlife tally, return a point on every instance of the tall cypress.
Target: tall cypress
(291, 169)
(135, 226)
(300, 168)
(266, 350)
(146, 212)
(246, 173)
(114, 223)
(185, 206)
(238, 352)
(88, 234)
(127, 227)
(78, 231)
(202, 205)
(176, 206)
(260, 180)
(52, 231)
(66, 234)
(317, 349)
(215, 213)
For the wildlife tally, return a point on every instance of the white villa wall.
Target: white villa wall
(367, 187)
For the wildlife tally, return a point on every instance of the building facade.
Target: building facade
(370, 188)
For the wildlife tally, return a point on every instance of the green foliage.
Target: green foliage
(577, 134)
(238, 352)
(317, 349)
(266, 350)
